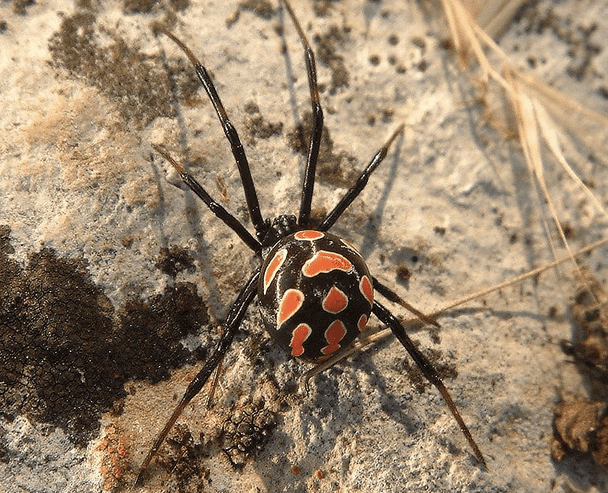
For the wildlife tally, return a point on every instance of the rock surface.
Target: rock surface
(116, 273)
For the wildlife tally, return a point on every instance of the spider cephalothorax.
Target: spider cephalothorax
(315, 291)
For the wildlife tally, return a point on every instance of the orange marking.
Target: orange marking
(273, 267)
(367, 290)
(334, 334)
(324, 262)
(335, 301)
(298, 336)
(362, 322)
(290, 303)
(308, 235)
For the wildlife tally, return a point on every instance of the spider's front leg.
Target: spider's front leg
(233, 321)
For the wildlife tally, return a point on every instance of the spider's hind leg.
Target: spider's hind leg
(233, 321)
(429, 372)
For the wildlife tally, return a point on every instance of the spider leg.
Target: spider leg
(359, 185)
(390, 295)
(317, 123)
(215, 207)
(233, 321)
(231, 134)
(429, 371)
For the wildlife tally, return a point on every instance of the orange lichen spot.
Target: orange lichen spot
(334, 334)
(323, 262)
(115, 458)
(335, 301)
(299, 335)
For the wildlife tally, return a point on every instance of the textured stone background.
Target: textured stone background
(113, 273)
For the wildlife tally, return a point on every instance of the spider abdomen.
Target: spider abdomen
(315, 294)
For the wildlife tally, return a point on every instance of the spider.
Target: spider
(315, 292)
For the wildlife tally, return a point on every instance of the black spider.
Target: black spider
(315, 291)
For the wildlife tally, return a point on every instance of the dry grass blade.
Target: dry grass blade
(537, 106)
(496, 15)
(528, 129)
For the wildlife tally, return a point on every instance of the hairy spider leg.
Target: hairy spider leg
(428, 370)
(317, 123)
(214, 206)
(233, 321)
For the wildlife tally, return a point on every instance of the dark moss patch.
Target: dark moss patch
(20, 6)
(138, 82)
(328, 54)
(66, 353)
(174, 260)
(263, 8)
(580, 425)
(257, 126)
(148, 6)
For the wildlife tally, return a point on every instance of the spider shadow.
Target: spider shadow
(581, 471)
(370, 230)
(192, 205)
(293, 99)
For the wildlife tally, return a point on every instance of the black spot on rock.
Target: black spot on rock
(66, 353)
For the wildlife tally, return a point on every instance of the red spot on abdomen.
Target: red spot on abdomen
(334, 334)
(273, 267)
(323, 262)
(335, 301)
(290, 303)
(308, 235)
(366, 288)
(298, 336)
